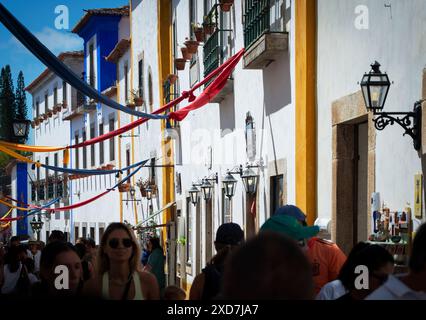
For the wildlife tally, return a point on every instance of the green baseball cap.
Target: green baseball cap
(289, 226)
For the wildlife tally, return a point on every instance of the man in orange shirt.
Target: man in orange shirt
(325, 256)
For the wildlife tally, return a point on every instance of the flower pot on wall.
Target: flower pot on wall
(199, 34)
(180, 63)
(192, 46)
(225, 6)
(138, 101)
(185, 53)
(125, 187)
(209, 28)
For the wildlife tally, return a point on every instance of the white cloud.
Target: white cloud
(56, 41)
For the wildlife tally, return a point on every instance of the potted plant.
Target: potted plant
(181, 241)
(185, 53)
(137, 99)
(225, 5)
(110, 166)
(208, 26)
(64, 105)
(192, 46)
(44, 116)
(130, 103)
(172, 78)
(36, 121)
(198, 32)
(180, 63)
(124, 187)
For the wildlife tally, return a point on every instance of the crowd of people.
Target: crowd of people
(285, 260)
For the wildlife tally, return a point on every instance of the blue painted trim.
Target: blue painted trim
(22, 195)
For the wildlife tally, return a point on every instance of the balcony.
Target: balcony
(263, 41)
(170, 93)
(77, 112)
(216, 48)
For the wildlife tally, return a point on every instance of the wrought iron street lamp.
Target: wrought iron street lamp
(21, 128)
(206, 189)
(229, 183)
(36, 226)
(250, 180)
(148, 193)
(193, 192)
(375, 87)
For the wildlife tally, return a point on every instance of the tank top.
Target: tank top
(136, 281)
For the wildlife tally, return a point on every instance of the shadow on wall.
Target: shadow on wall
(277, 85)
(227, 115)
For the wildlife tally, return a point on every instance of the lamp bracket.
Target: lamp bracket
(409, 121)
(213, 177)
(237, 170)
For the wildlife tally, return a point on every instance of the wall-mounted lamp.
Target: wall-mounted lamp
(193, 192)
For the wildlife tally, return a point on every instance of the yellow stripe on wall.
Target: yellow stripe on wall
(306, 175)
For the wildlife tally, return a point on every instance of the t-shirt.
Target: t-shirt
(326, 259)
(36, 257)
(332, 291)
(156, 261)
(395, 289)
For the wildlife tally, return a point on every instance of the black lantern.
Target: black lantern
(132, 192)
(229, 183)
(375, 87)
(36, 226)
(206, 189)
(250, 180)
(193, 192)
(21, 128)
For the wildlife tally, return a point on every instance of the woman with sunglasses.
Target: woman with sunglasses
(119, 275)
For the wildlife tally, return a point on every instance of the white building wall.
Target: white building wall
(396, 39)
(267, 95)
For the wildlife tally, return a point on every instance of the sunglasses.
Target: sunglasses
(114, 242)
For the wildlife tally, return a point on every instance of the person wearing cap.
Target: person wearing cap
(325, 256)
(207, 284)
(34, 253)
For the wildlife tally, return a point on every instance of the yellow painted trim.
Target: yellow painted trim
(164, 42)
(306, 143)
(131, 118)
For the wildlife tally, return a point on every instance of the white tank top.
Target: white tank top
(10, 279)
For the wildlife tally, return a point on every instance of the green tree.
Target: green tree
(7, 104)
(21, 100)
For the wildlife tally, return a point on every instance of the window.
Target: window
(55, 96)
(46, 102)
(84, 150)
(277, 192)
(101, 233)
(150, 92)
(77, 159)
(47, 235)
(76, 234)
(152, 171)
(101, 144)
(126, 82)
(128, 158)
(84, 235)
(92, 147)
(46, 161)
(92, 65)
(55, 161)
(226, 208)
(188, 230)
(64, 92)
(111, 141)
(140, 78)
(37, 108)
(92, 232)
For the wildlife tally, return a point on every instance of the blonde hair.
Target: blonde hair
(103, 263)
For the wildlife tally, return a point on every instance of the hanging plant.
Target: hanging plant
(64, 105)
(180, 64)
(185, 53)
(181, 241)
(198, 32)
(192, 46)
(208, 26)
(136, 98)
(124, 187)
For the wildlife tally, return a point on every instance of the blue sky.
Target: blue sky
(39, 17)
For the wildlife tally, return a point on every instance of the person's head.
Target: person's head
(91, 244)
(15, 256)
(291, 227)
(56, 235)
(228, 234)
(14, 241)
(33, 246)
(292, 211)
(118, 246)
(29, 264)
(59, 253)
(347, 269)
(153, 243)
(174, 293)
(417, 261)
(374, 263)
(81, 240)
(269, 266)
(80, 249)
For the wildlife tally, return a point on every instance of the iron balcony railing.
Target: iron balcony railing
(257, 20)
(214, 46)
(170, 93)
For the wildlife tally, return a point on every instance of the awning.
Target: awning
(167, 206)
